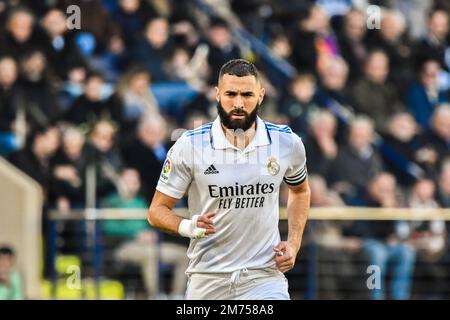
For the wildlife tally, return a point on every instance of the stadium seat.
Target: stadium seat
(46, 289)
(108, 290)
(63, 262)
(86, 43)
(8, 143)
(62, 291)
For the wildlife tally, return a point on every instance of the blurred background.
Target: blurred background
(93, 96)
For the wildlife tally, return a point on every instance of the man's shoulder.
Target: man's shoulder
(195, 137)
(282, 128)
(283, 135)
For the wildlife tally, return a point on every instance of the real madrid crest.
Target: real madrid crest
(273, 167)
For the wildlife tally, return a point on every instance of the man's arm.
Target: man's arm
(297, 210)
(161, 216)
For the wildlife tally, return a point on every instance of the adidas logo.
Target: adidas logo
(211, 170)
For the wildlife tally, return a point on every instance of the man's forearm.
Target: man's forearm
(297, 210)
(165, 219)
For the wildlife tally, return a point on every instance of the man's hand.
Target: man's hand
(67, 173)
(206, 223)
(200, 226)
(63, 205)
(285, 256)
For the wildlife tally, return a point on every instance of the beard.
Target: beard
(236, 124)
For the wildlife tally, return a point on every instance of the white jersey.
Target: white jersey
(240, 186)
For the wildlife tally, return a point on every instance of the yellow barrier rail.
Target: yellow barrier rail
(331, 213)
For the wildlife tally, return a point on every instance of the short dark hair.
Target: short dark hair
(6, 251)
(239, 68)
(302, 76)
(93, 74)
(20, 9)
(218, 22)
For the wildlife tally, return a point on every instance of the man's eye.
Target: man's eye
(247, 94)
(230, 94)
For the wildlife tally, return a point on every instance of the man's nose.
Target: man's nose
(238, 102)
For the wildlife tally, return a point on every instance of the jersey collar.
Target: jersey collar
(219, 141)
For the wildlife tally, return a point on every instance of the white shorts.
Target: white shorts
(258, 284)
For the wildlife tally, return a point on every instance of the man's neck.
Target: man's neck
(240, 141)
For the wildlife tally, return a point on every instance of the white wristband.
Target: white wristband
(188, 228)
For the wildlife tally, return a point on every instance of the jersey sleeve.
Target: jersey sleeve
(176, 174)
(296, 172)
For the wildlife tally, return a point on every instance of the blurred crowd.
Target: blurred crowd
(369, 95)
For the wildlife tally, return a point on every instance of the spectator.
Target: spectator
(321, 147)
(153, 47)
(69, 171)
(103, 155)
(221, 47)
(333, 84)
(318, 41)
(386, 242)
(391, 39)
(351, 42)
(20, 37)
(429, 239)
(357, 162)
(135, 98)
(73, 87)
(434, 44)
(194, 70)
(92, 105)
(131, 16)
(375, 84)
(147, 151)
(299, 104)
(436, 140)
(62, 52)
(423, 96)
(141, 243)
(401, 149)
(281, 47)
(10, 280)
(332, 93)
(35, 158)
(281, 54)
(423, 195)
(37, 96)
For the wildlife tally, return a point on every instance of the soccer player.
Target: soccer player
(232, 169)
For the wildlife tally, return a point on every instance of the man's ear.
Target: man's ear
(262, 92)
(217, 94)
